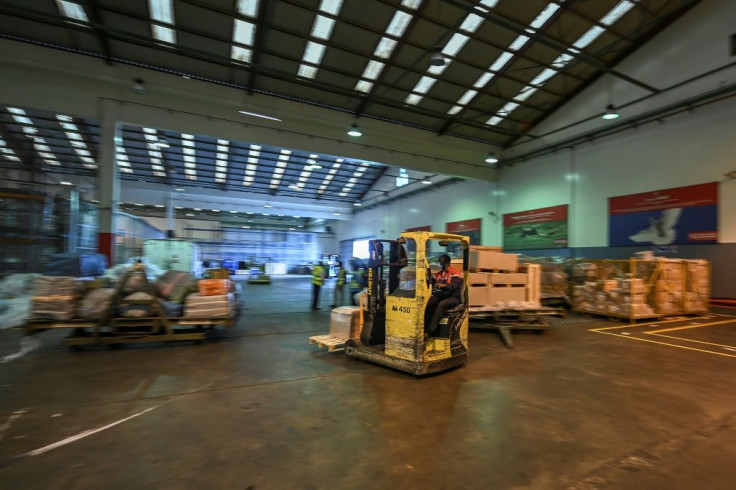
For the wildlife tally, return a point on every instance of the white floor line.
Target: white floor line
(6, 425)
(27, 344)
(84, 434)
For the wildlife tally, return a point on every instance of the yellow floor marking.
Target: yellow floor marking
(685, 327)
(693, 340)
(665, 343)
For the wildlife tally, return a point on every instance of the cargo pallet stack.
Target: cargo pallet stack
(637, 289)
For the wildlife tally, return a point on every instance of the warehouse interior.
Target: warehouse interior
(224, 124)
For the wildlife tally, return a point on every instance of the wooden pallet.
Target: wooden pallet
(328, 341)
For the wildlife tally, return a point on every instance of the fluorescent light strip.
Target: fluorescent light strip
(250, 168)
(31, 132)
(162, 12)
(330, 175)
(72, 10)
(76, 141)
(386, 45)
(321, 29)
(6, 152)
(278, 172)
(221, 163)
(190, 161)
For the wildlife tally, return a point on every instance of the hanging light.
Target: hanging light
(610, 113)
(354, 131)
(437, 58)
(491, 158)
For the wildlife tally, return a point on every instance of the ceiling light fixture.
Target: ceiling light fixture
(426, 182)
(138, 87)
(357, 204)
(610, 113)
(491, 158)
(437, 58)
(262, 116)
(179, 189)
(354, 131)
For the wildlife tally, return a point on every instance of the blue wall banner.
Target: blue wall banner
(683, 215)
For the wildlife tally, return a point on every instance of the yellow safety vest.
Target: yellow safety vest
(341, 277)
(317, 278)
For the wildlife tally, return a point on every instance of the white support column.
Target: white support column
(108, 181)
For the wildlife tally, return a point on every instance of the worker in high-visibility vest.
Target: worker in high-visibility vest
(357, 283)
(339, 296)
(318, 279)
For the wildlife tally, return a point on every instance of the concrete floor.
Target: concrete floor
(260, 408)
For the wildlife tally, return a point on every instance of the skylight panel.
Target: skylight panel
(540, 79)
(518, 43)
(75, 139)
(278, 171)
(163, 13)
(250, 168)
(121, 158)
(424, 84)
(590, 36)
(617, 12)
(153, 145)
(413, 99)
(403, 178)
(455, 44)
(507, 109)
(398, 24)
(6, 152)
(353, 180)
(241, 54)
(525, 93)
(306, 172)
(544, 16)
(330, 175)
(190, 160)
(322, 28)
(467, 97)
(385, 47)
(248, 8)
(31, 132)
(221, 162)
(312, 54)
(72, 10)
(471, 23)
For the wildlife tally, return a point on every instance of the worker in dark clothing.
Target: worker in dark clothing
(339, 297)
(447, 289)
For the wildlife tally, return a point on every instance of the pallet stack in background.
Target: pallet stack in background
(497, 280)
(636, 288)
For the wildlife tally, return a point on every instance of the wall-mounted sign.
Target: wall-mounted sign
(683, 215)
(536, 228)
(469, 228)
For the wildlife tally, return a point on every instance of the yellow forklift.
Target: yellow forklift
(393, 306)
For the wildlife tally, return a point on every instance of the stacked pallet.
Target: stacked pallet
(496, 280)
(617, 297)
(654, 287)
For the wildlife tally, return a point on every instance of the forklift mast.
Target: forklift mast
(386, 258)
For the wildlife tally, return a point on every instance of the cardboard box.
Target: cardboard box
(213, 287)
(477, 295)
(345, 322)
(507, 278)
(481, 259)
(504, 295)
(478, 278)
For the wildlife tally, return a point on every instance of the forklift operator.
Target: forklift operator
(447, 289)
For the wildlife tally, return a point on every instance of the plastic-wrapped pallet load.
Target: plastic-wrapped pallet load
(217, 306)
(95, 303)
(345, 322)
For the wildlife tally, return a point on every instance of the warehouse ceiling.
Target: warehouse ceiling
(488, 71)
